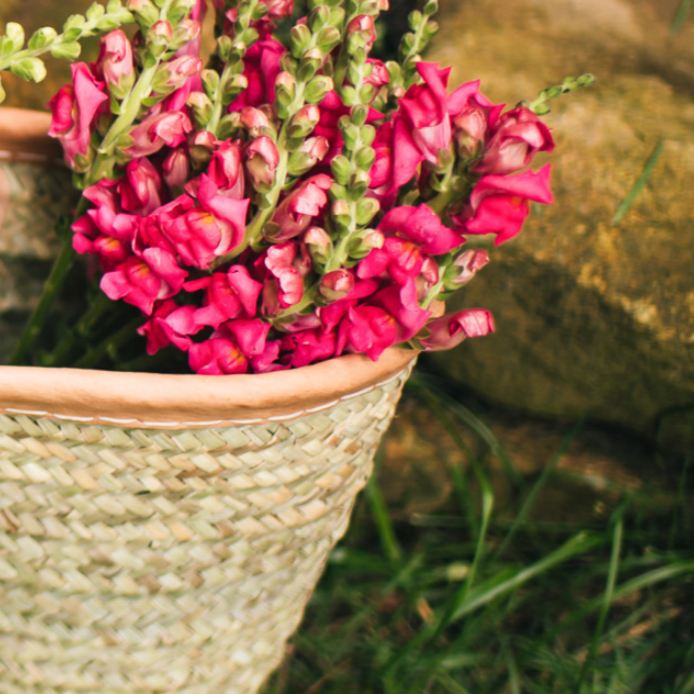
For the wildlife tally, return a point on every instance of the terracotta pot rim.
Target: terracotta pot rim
(148, 400)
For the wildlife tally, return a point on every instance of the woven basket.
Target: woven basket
(169, 554)
(164, 533)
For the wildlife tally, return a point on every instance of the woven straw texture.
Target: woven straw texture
(135, 561)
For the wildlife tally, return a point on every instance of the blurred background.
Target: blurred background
(530, 526)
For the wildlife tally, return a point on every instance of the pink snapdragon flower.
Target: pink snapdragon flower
(425, 108)
(115, 62)
(397, 159)
(450, 330)
(518, 136)
(309, 346)
(228, 295)
(170, 324)
(211, 229)
(262, 159)
(217, 356)
(422, 226)
(176, 169)
(142, 280)
(226, 171)
(285, 265)
(140, 188)
(398, 259)
(499, 204)
(158, 130)
(74, 109)
(298, 210)
(261, 65)
(473, 118)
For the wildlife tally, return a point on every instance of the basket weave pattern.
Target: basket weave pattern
(135, 561)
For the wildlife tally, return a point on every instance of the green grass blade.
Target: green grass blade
(471, 420)
(384, 525)
(639, 184)
(530, 499)
(680, 16)
(607, 597)
(483, 595)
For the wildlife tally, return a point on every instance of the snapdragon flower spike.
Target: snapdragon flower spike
(74, 109)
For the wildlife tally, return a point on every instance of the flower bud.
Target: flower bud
(341, 168)
(359, 182)
(186, 30)
(341, 213)
(310, 63)
(365, 158)
(42, 38)
(363, 25)
(464, 268)
(159, 37)
(304, 121)
(328, 38)
(201, 146)
(175, 169)
(367, 209)
(364, 242)
(319, 244)
(115, 63)
(317, 89)
(310, 153)
(174, 74)
(210, 82)
(202, 107)
(253, 119)
(300, 37)
(261, 164)
(336, 285)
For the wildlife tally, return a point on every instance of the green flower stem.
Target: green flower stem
(439, 203)
(435, 290)
(109, 346)
(51, 289)
(98, 307)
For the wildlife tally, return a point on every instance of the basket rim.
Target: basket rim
(153, 401)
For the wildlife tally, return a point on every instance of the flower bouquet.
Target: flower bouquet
(258, 194)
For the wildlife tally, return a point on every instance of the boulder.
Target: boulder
(592, 316)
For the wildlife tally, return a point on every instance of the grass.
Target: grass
(470, 602)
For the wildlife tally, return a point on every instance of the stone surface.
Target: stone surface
(596, 469)
(592, 317)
